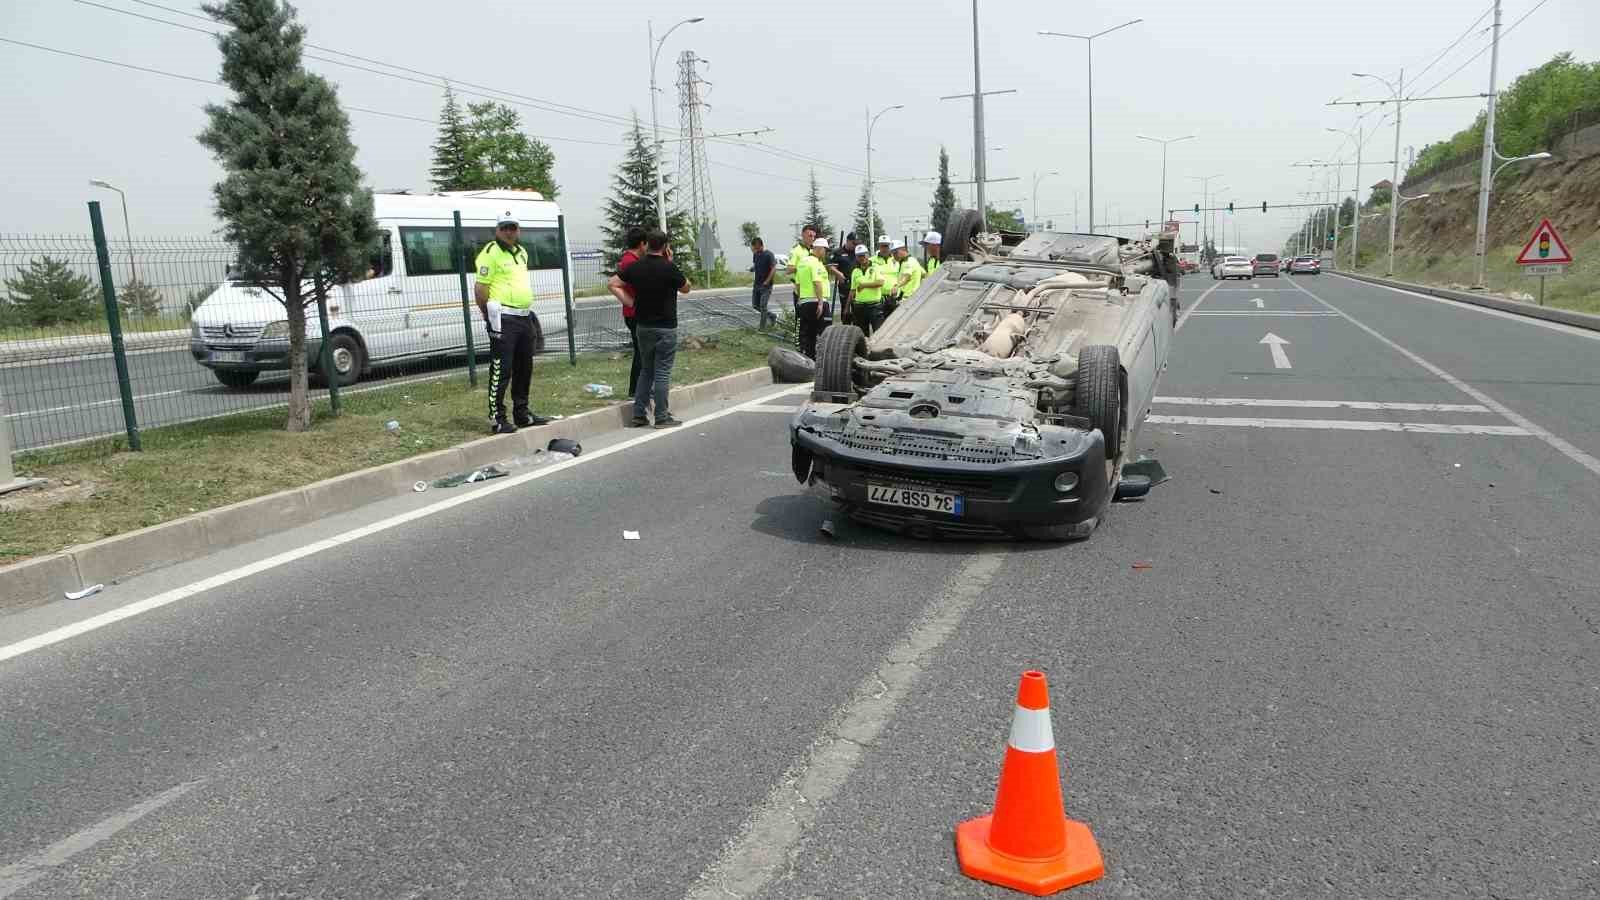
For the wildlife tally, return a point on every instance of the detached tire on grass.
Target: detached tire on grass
(837, 350)
(1098, 396)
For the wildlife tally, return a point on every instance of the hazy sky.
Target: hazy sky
(1249, 78)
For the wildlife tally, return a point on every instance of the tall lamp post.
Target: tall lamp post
(1483, 205)
(872, 209)
(1088, 41)
(1038, 177)
(127, 232)
(1164, 142)
(1394, 205)
(1205, 198)
(655, 115)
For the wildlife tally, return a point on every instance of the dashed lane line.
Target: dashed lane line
(1339, 425)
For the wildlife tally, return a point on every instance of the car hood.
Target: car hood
(239, 304)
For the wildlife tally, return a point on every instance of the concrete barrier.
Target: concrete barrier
(1490, 301)
(36, 581)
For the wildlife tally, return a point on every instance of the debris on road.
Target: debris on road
(1142, 566)
(1215, 490)
(420, 486)
(564, 445)
(630, 535)
(599, 390)
(1149, 468)
(790, 366)
(79, 595)
(456, 479)
(392, 426)
(826, 527)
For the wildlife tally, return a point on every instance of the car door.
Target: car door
(433, 302)
(370, 304)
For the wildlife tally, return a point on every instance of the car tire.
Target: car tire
(538, 332)
(236, 378)
(837, 350)
(963, 226)
(349, 360)
(1098, 396)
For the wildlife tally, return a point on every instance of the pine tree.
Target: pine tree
(48, 292)
(139, 299)
(944, 197)
(633, 202)
(450, 160)
(814, 214)
(290, 198)
(867, 235)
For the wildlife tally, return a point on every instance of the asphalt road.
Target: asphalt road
(72, 399)
(1363, 660)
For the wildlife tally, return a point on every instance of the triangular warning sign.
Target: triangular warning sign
(1545, 247)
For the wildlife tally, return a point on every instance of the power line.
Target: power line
(1510, 28)
(1454, 44)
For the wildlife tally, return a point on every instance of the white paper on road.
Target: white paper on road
(630, 535)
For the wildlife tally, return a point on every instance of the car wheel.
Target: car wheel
(837, 350)
(1098, 397)
(963, 226)
(235, 378)
(349, 360)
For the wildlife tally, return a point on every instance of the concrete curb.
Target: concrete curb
(1490, 301)
(42, 579)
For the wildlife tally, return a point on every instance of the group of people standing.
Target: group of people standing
(865, 287)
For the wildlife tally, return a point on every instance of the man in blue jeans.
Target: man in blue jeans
(656, 281)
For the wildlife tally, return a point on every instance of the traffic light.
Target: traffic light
(1263, 206)
(1197, 209)
(1230, 209)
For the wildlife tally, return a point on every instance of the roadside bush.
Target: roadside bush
(48, 292)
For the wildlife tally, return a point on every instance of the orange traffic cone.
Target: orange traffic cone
(1028, 843)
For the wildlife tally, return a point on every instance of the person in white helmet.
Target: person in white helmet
(931, 248)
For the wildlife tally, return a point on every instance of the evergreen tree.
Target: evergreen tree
(748, 232)
(867, 235)
(633, 202)
(290, 198)
(139, 299)
(944, 197)
(48, 292)
(450, 151)
(500, 155)
(814, 214)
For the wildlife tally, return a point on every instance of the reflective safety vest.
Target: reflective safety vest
(797, 253)
(506, 275)
(933, 265)
(888, 270)
(914, 269)
(807, 273)
(864, 295)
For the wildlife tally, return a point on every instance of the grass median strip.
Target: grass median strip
(97, 490)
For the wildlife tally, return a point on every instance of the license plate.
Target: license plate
(915, 498)
(227, 356)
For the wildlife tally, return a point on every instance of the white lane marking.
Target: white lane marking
(1195, 305)
(1342, 425)
(56, 409)
(1260, 303)
(1560, 444)
(772, 408)
(1323, 404)
(489, 489)
(767, 839)
(1269, 314)
(36, 865)
(1488, 311)
(1030, 730)
(1280, 359)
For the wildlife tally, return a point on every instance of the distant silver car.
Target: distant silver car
(1233, 267)
(1306, 264)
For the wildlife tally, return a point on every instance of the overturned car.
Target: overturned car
(1003, 398)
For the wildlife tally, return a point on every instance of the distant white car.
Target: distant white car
(1233, 267)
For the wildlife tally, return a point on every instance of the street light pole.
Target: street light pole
(1164, 142)
(1394, 206)
(1036, 179)
(1088, 40)
(872, 209)
(1205, 197)
(127, 232)
(1485, 176)
(980, 170)
(655, 115)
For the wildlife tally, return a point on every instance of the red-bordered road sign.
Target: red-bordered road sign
(1544, 248)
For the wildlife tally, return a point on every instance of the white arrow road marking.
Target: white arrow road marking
(1279, 358)
(1260, 303)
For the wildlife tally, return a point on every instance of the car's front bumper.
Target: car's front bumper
(1015, 499)
(263, 356)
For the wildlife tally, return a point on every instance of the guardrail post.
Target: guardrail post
(108, 292)
(327, 354)
(566, 290)
(459, 248)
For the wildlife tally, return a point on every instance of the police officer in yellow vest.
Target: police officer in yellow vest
(866, 294)
(505, 298)
(910, 271)
(931, 245)
(887, 270)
